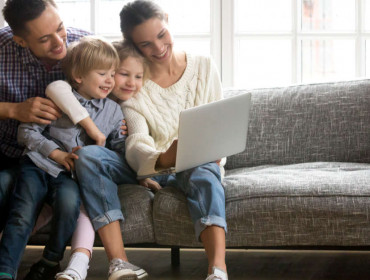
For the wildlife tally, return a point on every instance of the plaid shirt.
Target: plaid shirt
(23, 76)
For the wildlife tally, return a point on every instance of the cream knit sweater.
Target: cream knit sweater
(153, 113)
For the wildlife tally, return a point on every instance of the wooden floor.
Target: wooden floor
(242, 264)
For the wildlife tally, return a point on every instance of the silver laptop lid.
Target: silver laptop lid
(212, 131)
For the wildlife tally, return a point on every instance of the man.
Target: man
(30, 51)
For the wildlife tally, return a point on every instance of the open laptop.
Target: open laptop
(210, 132)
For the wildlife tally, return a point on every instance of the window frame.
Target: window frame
(223, 36)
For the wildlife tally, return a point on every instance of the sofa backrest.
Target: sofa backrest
(306, 123)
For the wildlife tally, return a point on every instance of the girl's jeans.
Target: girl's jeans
(33, 186)
(204, 192)
(99, 171)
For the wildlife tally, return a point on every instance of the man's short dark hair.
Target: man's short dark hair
(18, 12)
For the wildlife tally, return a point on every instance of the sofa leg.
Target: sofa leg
(175, 256)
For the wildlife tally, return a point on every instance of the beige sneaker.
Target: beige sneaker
(121, 270)
(67, 276)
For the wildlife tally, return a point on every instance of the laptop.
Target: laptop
(210, 132)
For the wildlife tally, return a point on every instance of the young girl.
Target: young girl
(129, 78)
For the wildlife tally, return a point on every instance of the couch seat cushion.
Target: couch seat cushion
(320, 203)
(136, 203)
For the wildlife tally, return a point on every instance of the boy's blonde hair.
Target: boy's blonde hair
(89, 53)
(125, 50)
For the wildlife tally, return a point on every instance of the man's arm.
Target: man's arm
(36, 109)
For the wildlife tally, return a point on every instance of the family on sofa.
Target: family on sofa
(47, 156)
(303, 180)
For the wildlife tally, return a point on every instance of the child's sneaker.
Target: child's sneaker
(67, 276)
(76, 269)
(121, 270)
(217, 274)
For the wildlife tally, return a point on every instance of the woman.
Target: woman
(178, 81)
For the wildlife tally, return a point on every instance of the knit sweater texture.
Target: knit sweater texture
(153, 113)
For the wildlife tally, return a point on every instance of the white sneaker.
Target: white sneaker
(217, 274)
(121, 270)
(67, 276)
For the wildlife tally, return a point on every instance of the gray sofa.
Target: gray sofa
(303, 180)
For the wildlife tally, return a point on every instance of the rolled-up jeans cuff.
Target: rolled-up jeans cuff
(107, 218)
(207, 221)
(52, 256)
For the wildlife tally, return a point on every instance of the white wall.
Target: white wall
(2, 3)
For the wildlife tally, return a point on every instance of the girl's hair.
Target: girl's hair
(86, 55)
(135, 13)
(125, 50)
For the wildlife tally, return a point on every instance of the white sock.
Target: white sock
(78, 265)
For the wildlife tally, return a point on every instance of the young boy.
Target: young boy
(49, 159)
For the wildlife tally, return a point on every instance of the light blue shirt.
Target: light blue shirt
(40, 140)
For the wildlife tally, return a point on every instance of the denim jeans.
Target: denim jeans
(8, 173)
(99, 171)
(7, 181)
(31, 190)
(204, 192)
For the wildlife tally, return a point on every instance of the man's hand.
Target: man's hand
(124, 127)
(36, 109)
(64, 158)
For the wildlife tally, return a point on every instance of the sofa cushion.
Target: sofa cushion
(136, 203)
(307, 123)
(322, 203)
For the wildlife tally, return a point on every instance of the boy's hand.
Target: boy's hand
(64, 158)
(124, 127)
(150, 184)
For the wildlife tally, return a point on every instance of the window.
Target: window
(295, 41)
(255, 43)
(191, 27)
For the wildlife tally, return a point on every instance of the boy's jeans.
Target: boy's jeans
(30, 192)
(204, 193)
(99, 171)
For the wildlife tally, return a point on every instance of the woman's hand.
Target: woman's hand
(168, 158)
(150, 184)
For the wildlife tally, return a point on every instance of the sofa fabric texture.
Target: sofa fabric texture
(307, 123)
(303, 179)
